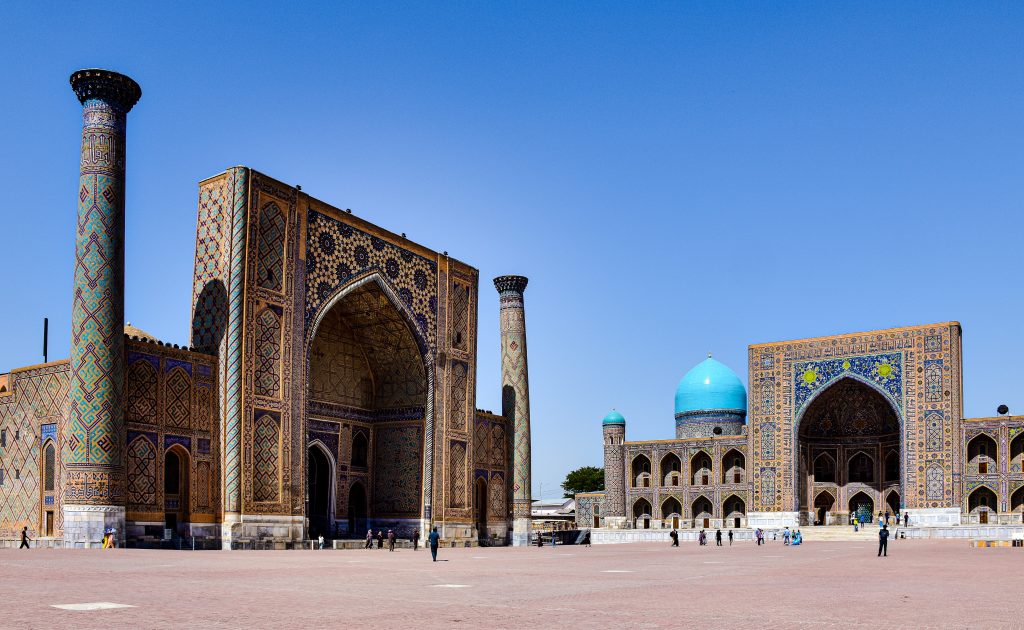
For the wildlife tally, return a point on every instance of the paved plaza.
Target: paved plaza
(818, 584)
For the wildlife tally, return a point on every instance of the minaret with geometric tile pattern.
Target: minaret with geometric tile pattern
(515, 399)
(94, 494)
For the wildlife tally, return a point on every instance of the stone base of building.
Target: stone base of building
(521, 529)
(933, 517)
(85, 525)
(455, 531)
(614, 522)
(241, 531)
(773, 520)
(495, 534)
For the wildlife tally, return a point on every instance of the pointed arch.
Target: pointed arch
(642, 513)
(734, 466)
(861, 467)
(824, 468)
(671, 507)
(702, 510)
(981, 499)
(671, 469)
(982, 458)
(701, 468)
(641, 469)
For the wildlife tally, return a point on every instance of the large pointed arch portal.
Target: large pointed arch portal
(369, 404)
(848, 446)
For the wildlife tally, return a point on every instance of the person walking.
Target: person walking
(887, 517)
(718, 538)
(703, 538)
(785, 536)
(554, 539)
(434, 539)
(320, 539)
(391, 540)
(415, 539)
(380, 539)
(883, 541)
(24, 538)
(674, 535)
(730, 538)
(906, 519)
(759, 534)
(369, 539)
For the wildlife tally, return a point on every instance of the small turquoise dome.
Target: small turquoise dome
(710, 385)
(613, 418)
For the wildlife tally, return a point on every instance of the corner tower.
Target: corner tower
(515, 399)
(94, 492)
(613, 428)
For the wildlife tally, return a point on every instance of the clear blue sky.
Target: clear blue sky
(674, 178)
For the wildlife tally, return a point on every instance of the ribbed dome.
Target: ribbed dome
(710, 385)
(613, 418)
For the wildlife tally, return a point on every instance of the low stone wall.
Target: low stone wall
(605, 536)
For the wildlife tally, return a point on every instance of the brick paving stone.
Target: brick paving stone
(933, 584)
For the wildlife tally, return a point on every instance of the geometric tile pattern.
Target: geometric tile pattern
(457, 475)
(178, 398)
(884, 370)
(36, 397)
(270, 259)
(267, 376)
(97, 312)
(141, 472)
(232, 355)
(93, 452)
(515, 387)
(397, 470)
(141, 389)
(209, 294)
(266, 467)
(338, 252)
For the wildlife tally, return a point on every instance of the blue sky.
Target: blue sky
(674, 178)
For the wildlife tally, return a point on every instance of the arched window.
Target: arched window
(49, 467)
(824, 469)
(360, 449)
(641, 472)
(861, 468)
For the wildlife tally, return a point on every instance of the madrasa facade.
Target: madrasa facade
(329, 385)
(831, 428)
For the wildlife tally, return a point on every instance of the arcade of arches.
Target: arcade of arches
(849, 455)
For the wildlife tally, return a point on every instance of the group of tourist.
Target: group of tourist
(433, 540)
(702, 537)
(390, 537)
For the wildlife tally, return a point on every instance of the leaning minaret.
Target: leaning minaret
(94, 491)
(515, 399)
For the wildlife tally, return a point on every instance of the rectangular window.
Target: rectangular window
(983, 468)
(1, 476)
(17, 474)
(3, 438)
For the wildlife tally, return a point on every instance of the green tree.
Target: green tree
(584, 479)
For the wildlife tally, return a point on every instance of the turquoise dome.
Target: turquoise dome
(613, 418)
(710, 385)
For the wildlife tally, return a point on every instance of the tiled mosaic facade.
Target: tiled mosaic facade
(834, 422)
(892, 363)
(180, 410)
(386, 393)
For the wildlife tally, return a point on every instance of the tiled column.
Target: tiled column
(94, 491)
(515, 399)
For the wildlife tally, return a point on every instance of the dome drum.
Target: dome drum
(713, 423)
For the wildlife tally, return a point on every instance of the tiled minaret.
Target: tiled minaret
(515, 399)
(94, 493)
